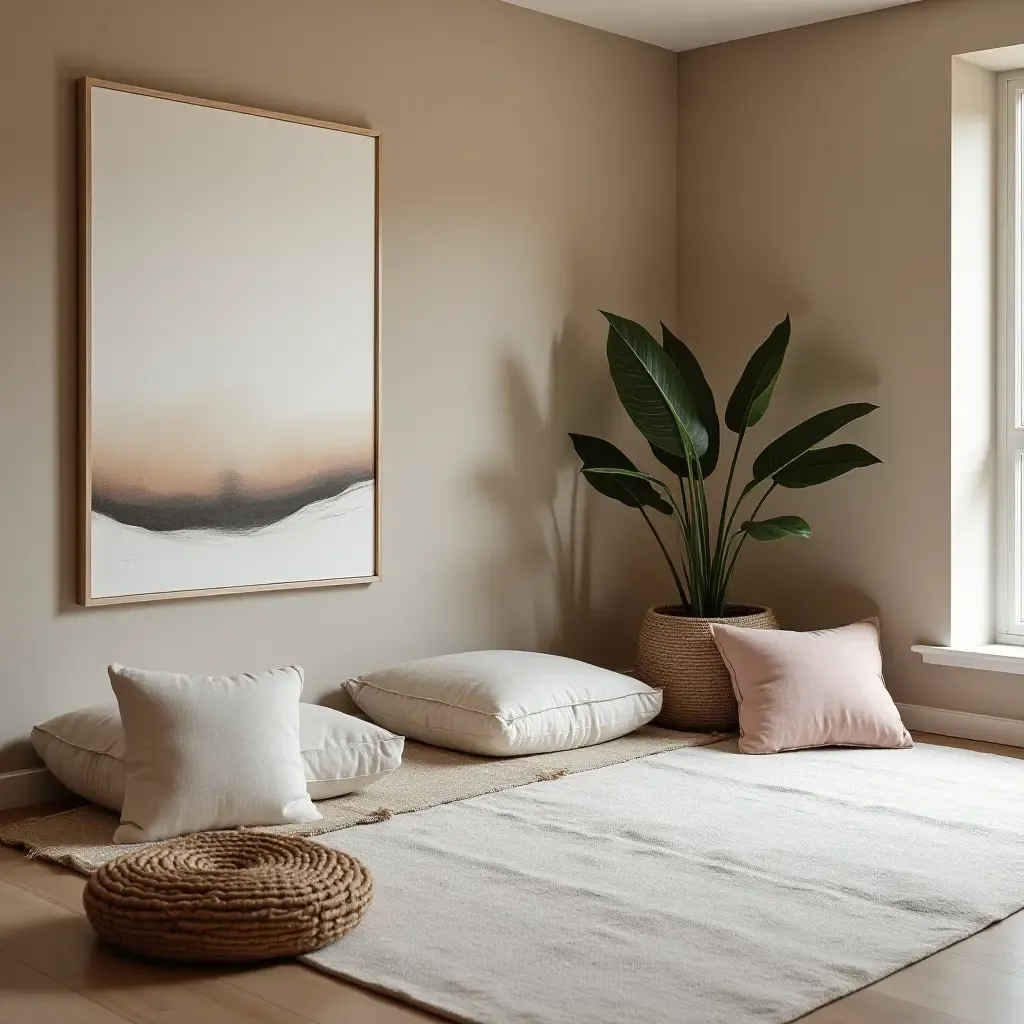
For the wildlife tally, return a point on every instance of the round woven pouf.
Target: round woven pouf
(677, 654)
(227, 896)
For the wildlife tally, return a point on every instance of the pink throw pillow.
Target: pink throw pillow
(818, 689)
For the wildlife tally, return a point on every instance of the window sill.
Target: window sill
(986, 657)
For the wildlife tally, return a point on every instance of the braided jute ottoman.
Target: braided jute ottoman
(227, 896)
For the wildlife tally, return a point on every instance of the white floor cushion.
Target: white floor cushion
(209, 752)
(340, 754)
(504, 703)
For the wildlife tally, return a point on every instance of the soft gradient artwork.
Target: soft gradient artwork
(231, 349)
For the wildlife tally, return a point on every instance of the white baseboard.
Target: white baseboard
(965, 724)
(30, 786)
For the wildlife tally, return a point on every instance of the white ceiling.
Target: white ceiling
(684, 24)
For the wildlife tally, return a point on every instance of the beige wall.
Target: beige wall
(815, 178)
(529, 178)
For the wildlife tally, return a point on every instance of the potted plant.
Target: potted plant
(666, 395)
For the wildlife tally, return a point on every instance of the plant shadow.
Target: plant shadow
(542, 579)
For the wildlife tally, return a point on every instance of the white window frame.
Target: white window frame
(1010, 361)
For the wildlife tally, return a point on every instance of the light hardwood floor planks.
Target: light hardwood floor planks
(29, 997)
(48, 881)
(872, 1007)
(52, 971)
(58, 943)
(325, 999)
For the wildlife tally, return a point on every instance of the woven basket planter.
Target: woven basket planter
(677, 654)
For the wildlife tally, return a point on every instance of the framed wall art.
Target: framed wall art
(230, 333)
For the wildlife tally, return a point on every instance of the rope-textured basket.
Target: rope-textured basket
(677, 654)
(227, 896)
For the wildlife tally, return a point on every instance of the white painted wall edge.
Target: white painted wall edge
(29, 786)
(964, 724)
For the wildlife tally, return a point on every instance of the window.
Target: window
(1010, 366)
(986, 439)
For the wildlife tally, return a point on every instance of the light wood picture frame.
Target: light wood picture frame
(230, 334)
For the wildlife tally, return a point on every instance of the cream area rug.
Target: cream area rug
(698, 886)
(82, 837)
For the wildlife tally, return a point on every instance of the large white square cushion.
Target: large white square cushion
(504, 703)
(209, 752)
(84, 749)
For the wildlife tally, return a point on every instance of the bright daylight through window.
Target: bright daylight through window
(1011, 360)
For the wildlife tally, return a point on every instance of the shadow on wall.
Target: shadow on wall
(827, 370)
(821, 601)
(541, 580)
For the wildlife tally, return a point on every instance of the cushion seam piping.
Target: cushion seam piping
(76, 746)
(494, 714)
(485, 736)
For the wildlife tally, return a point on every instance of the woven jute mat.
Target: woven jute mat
(82, 837)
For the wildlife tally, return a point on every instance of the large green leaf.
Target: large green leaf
(673, 462)
(820, 465)
(703, 400)
(590, 472)
(753, 391)
(776, 529)
(596, 453)
(652, 390)
(793, 443)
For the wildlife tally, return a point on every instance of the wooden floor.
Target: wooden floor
(52, 971)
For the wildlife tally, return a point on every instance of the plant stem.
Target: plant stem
(686, 580)
(695, 549)
(728, 485)
(722, 537)
(727, 538)
(684, 524)
(705, 538)
(682, 498)
(764, 498)
(668, 494)
(668, 558)
(681, 531)
(743, 537)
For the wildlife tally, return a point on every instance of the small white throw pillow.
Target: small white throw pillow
(504, 703)
(342, 753)
(209, 752)
(84, 751)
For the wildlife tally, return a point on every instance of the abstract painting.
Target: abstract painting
(230, 348)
